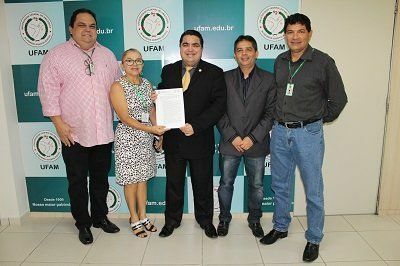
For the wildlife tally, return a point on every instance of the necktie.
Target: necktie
(186, 78)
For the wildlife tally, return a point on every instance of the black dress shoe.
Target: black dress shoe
(85, 235)
(223, 228)
(209, 230)
(106, 225)
(167, 230)
(256, 229)
(310, 252)
(272, 236)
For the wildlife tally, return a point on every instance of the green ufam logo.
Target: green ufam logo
(113, 200)
(271, 22)
(153, 24)
(36, 29)
(46, 145)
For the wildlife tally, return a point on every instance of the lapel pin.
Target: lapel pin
(200, 70)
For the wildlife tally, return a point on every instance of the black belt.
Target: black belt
(297, 124)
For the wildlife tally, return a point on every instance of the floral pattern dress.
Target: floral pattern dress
(135, 159)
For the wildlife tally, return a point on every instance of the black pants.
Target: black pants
(201, 172)
(81, 161)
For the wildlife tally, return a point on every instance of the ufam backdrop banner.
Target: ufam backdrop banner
(153, 27)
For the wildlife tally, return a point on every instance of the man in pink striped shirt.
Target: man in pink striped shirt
(74, 83)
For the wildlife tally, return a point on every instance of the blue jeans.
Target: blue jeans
(303, 147)
(255, 172)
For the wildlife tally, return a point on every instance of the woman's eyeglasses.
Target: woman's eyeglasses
(130, 62)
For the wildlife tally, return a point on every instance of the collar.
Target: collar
(74, 43)
(307, 55)
(250, 74)
(194, 67)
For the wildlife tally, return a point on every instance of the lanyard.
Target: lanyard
(295, 72)
(137, 92)
(90, 56)
(88, 62)
(291, 76)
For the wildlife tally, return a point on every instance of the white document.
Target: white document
(170, 110)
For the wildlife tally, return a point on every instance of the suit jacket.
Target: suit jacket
(205, 103)
(253, 116)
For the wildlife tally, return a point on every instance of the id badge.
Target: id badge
(289, 89)
(145, 117)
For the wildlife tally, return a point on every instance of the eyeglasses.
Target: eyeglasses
(89, 70)
(130, 62)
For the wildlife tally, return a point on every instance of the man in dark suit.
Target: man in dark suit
(244, 132)
(205, 102)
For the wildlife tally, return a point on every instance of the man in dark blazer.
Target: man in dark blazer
(205, 103)
(244, 132)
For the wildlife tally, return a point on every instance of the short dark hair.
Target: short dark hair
(79, 11)
(245, 38)
(298, 18)
(191, 32)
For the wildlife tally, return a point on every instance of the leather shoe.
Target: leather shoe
(209, 230)
(310, 252)
(85, 235)
(272, 236)
(223, 228)
(256, 229)
(106, 225)
(167, 230)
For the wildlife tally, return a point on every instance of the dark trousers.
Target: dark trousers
(80, 162)
(201, 172)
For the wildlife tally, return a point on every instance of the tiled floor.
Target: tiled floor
(349, 240)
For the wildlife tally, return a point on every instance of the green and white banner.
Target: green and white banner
(153, 27)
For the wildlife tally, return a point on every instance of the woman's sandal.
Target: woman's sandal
(135, 229)
(148, 225)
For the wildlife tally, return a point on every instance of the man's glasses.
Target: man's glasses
(89, 70)
(130, 62)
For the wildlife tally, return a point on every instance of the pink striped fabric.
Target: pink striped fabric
(81, 100)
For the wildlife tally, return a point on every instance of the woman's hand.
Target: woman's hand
(158, 130)
(153, 96)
